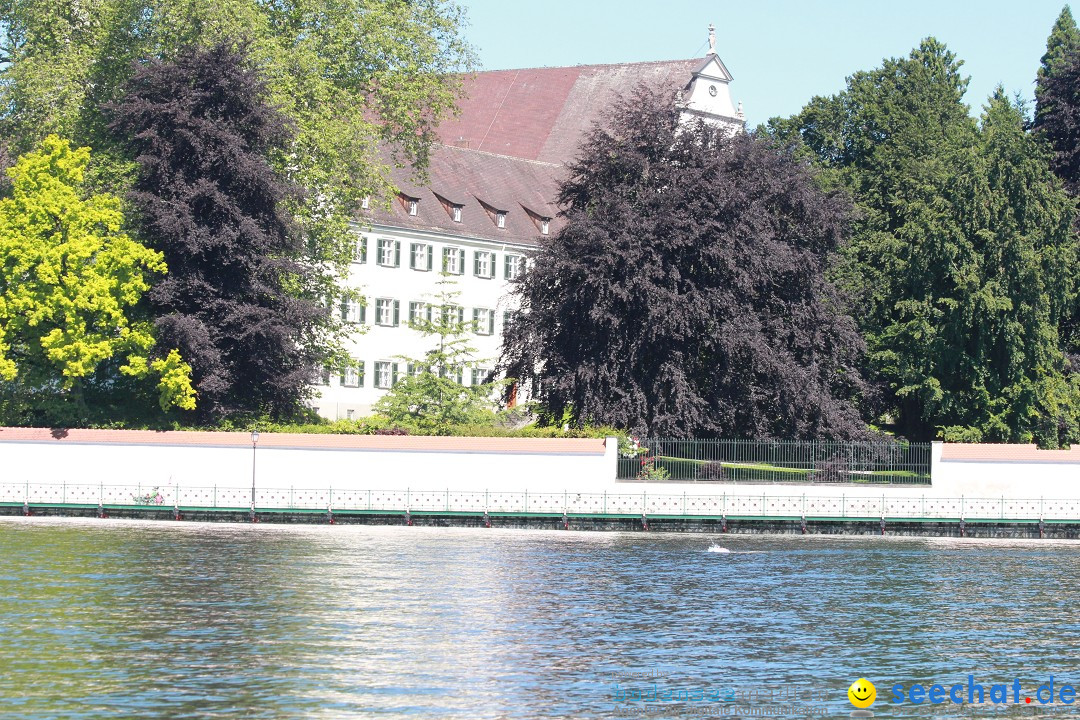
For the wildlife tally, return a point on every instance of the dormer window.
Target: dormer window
(409, 203)
(542, 222)
(500, 219)
(455, 212)
(365, 203)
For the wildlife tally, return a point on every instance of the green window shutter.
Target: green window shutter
(412, 256)
(475, 377)
(461, 316)
(397, 313)
(476, 263)
(445, 258)
(393, 374)
(397, 253)
(429, 253)
(461, 262)
(363, 313)
(491, 266)
(476, 320)
(491, 322)
(360, 371)
(345, 310)
(506, 267)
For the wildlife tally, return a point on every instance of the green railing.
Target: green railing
(663, 459)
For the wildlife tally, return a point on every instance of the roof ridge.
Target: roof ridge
(516, 158)
(588, 65)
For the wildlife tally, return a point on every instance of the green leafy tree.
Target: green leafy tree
(961, 256)
(431, 396)
(70, 279)
(363, 83)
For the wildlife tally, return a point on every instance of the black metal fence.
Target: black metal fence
(662, 459)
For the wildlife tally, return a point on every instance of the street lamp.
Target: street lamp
(254, 442)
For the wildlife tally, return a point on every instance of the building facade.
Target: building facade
(487, 204)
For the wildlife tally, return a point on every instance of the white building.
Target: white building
(488, 202)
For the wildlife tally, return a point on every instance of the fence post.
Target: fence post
(526, 501)
(605, 503)
(684, 502)
(843, 505)
(447, 499)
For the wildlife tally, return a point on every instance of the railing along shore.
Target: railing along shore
(805, 505)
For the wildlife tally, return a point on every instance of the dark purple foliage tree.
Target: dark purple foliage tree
(1058, 120)
(686, 294)
(236, 298)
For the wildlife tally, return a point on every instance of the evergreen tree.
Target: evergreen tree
(960, 256)
(238, 301)
(686, 293)
(1058, 120)
(1064, 41)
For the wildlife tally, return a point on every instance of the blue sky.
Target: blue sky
(781, 52)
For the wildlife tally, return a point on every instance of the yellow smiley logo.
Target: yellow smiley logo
(862, 693)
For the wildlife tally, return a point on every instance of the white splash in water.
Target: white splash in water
(717, 549)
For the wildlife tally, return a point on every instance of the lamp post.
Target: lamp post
(254, 442)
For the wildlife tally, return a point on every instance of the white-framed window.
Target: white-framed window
(389, 252)
(387, 312)
(414, 369)
(420, 256)
(349, 414)
(545, 225)
(414, 205)
(455, 212)
(500, 219)
(365, 202)
(513, 266)
(324, 376)
(353, 374)
(483, 321)
(385, 374)
(419, 312)
(453, 260)
(353, 311)
(453, 314)
(456, 374)
(484, 264)
(360, 250)
(481, 376)
(506, 318)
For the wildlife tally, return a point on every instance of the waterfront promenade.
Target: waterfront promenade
(508, 482)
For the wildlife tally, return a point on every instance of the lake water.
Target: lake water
(109, 618)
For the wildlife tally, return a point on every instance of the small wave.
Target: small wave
(717, 549)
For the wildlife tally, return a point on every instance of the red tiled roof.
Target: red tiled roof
(467, 177)
(974, 452)
(508, 148)
(555, 446)
(544, 113)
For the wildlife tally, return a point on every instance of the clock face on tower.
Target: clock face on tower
(712, 90)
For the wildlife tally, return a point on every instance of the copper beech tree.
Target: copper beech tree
(686, 294)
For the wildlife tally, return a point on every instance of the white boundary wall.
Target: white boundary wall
(164, 466)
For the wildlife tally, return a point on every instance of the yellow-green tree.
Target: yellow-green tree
(70, 279)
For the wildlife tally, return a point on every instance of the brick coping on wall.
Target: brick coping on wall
(986, 452)
(411, 443)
